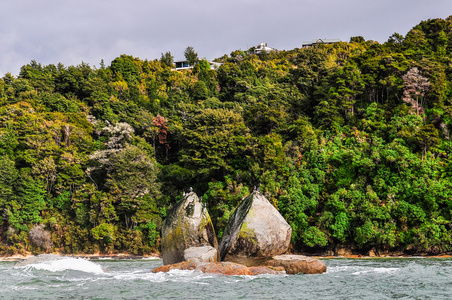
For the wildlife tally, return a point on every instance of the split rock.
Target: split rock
(187, 224)
(294, 264)
(255, 232)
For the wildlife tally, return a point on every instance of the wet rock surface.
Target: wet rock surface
(295, 264)
(255, 232)
(223, 268)
(289, 264)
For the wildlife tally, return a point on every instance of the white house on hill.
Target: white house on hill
(319, 42)
(263, 47)
(183, 65)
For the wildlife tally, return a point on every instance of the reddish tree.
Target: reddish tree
(160, 123)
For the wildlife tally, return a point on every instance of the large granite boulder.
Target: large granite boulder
(203, 254)
(294, 264)
(187, 224)
(255, 232)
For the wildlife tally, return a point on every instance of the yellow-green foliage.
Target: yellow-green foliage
(335, 136)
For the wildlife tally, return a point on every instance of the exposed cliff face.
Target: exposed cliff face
(255, 232)
(187, 225)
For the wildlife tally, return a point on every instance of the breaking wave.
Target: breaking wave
(68, 263)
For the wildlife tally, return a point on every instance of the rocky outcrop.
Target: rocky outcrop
(184, 265)
(291, 264)
(255, 232)
(203, 254)
(223, 268)
(266, 270)
(187, 225)
(294, 264)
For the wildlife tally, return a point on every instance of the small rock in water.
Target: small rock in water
(223, 268)
(291, 264)
(185, 265)
(294, 264)
(266, 270)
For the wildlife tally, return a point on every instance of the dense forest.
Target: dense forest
(349, 141)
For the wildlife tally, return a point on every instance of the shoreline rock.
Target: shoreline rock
(295, 264)
(289, 264)
(222, 268)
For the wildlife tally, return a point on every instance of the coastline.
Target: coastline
(96, 256)
(156, 256)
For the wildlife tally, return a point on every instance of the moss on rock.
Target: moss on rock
(187, 224)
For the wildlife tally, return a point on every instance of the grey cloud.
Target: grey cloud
(52, 31)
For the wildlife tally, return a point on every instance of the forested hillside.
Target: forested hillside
(350, 141)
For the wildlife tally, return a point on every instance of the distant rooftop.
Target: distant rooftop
(183, 65)
(263, 47)
(319, 41)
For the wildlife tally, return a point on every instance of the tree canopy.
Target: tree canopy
(349, 141)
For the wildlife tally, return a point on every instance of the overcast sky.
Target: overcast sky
(72, 31)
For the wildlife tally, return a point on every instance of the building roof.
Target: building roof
(263, 47)
(183, 64)
(320, 41)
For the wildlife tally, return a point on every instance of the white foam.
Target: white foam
(151, 258)
(63, 264)
(171, 276)
(360, 270)
(377, 270)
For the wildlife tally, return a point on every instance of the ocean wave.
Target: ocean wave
(359, 270)
(377, 271)
(63, 264)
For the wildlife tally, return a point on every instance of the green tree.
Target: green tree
(191, 56)
(167, 59)
(215, 139)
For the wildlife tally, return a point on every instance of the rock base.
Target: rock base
(224, 268)
(291, 264)
(295, 264)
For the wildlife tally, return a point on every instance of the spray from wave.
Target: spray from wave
(64, 263)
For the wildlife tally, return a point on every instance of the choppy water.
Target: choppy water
(402, 278)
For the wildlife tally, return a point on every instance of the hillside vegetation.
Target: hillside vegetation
(350, 142)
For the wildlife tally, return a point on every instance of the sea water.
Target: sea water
(72, 278)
